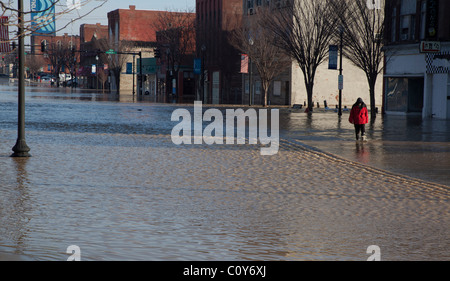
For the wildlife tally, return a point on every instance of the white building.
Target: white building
(289, 87)
(417, 79)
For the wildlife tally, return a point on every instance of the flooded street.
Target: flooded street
(105, 176)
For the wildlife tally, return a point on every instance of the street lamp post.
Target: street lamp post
(203, 72)
(141, 83)
(96, 72)
(250, 94)
(21, 148)
(132, 70)
(341, 32)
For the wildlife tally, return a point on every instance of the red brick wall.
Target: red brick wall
(87, 31)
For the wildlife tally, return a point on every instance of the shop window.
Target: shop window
(404, 94)
(408, 20)
(423, 19)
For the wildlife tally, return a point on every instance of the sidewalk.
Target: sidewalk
(400, 144)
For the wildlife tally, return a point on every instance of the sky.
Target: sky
(99, 15)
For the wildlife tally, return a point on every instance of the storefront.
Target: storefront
(417, 82)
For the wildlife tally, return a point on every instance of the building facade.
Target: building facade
(289, 88)
(58, 52)
(417, 73)
(134, 32)
(92, 73)
(220, 81)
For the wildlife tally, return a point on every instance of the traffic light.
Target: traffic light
(14, 45)
(157, 53)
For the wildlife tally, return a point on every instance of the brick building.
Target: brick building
(89, 31)
(417, 73)
(138, 28)
(67, 62)
(90, 34)
(222, 83)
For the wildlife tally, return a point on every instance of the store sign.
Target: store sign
(43, 16)
(430, 47)
(432, 18)
(197, 66)
(333, 57)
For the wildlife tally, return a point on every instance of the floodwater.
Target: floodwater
(403, 144)
(106, 177)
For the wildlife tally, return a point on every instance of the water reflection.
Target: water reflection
(14, 211)
(362, 153)
(105, 176)
(402, 144)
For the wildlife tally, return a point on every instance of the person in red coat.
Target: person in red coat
(359, 117)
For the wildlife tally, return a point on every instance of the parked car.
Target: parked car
(47, 78)
(72, 83)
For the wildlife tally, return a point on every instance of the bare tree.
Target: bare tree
(116, 63)
(363, 30)
(59, 54)
(259, 43)
(304, 30)
(175, 32)
(73, 7)
(34, 64)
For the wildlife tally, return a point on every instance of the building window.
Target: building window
(408, 20)
(404, 94)
(423, 19)
(250, 7)
(394, 25)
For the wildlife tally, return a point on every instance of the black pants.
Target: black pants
(360, 128)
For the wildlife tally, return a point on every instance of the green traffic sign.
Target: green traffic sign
(111, 52)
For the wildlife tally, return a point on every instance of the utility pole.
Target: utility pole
(341, 30)
(21, 148)
(141, 91)
(134, 62)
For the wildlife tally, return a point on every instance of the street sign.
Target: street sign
(333, 57)
(430, 47)
(111, 52)
(197, 66)
(130, 68)
(341, 82)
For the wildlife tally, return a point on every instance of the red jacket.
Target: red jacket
(359, 116)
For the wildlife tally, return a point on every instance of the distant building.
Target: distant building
(289, 87)
(134, 31)
(50, 43)
(222, 82)
(90, 31)
(417, 78)
(89, 66)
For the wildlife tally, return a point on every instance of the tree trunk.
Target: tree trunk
(372, 83)
(265, 88)
(309, 92)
